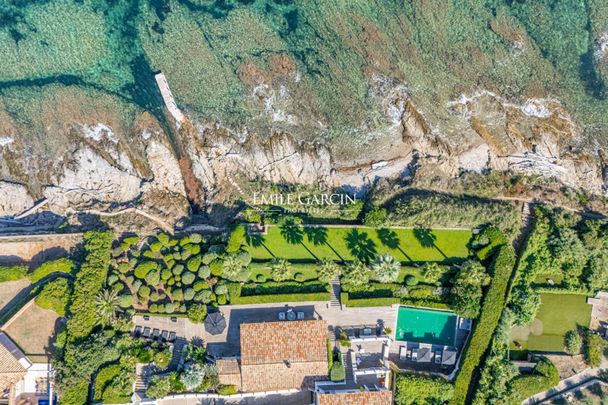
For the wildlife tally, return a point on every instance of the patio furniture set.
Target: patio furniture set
(291, 315)
(154, 334)
(424, 354)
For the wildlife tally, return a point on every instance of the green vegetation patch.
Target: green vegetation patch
(406, 245)
(558, 313)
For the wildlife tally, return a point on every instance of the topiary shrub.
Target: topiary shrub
(221, 289)
(204, 272)
(142, 269)
(124, 267)
(410, 280)
(221, 299)
(189, 294)
(197, 313)
(126, 301)
(169, 307)
(188, 278)
(178, 269)
(112, 278)
(194, 263)
(144, 292)
(165, 274)
(195, 238)
(201, 285)
(260, 278)
(236, 239)
(153, 277)
(209, 257)
(299, 277)
(152, 307)
(203, 296)
(216, 268)
(177, 294)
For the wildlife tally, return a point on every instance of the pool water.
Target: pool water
(426, 326)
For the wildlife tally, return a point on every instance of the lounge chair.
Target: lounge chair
(414, 354)
(146, 317)
(171, 337)
(164, 335)
(137, 331)
(282, 316)
(155, 333)
(300, 315)
(146, 333)
(402, 353)
(438, 357)
(367, 331)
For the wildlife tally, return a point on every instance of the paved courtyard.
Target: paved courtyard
(297, 398)
(181, 326)
(228, 342)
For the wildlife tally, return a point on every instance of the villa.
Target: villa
(278, 356)
(20, 378)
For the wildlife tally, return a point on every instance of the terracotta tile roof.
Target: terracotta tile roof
(283, 355)
(229, 372)
(11, 369)
(356, 398)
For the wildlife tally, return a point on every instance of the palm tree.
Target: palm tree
(107, 303)
(291, 230)
(233, 268)
(356, 274)
(280, 269)
(386, 268)
(431, 272)
(327, 270)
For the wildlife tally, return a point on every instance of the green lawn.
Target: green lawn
(558, 314)
(348, 243)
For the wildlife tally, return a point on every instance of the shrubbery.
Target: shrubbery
(55, 295)
(414, 389)
(63, 265)
(12, 273)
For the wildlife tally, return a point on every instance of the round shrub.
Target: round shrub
(144, 268)
(244, 258)
(194, 263)
(195, 249)
(195, 238)
(165, 274)
(188, 278)
(130, 279)
(163, 238)
(236, 238)
(171, 281)
(201, 285)
(177, 294)
(299, 277)
(221, 299)
(153, 277)
(189, 294)
(126, 301)
(178, 269)
(154, 296)
(124, 267)
(170, 263)
(204, 271)
(136, 285)
(182, 308)
(216, 268)
(221, 289)
(153, 308)
(260, 278)
(169, 307)
(112, 278)
(197, 313)
(177, 256)
(186, 254)
(178, 279)
(178, 283)
(203, 296)
(156, 246)
(162, 358)
(410, 280)
(209, 257)
(118, 286)
(144, 292)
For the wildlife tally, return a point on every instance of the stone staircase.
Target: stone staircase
(178, 348)
(335, 292)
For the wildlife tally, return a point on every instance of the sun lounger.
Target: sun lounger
(437, 357)
(402, 353)
(137, 331)
(155, 333)
(367, 331)
(171, 337)
(164, 335)
(146, 317)
(414, 354)
(146, 333)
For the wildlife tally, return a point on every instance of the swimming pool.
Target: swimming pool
(426, 326)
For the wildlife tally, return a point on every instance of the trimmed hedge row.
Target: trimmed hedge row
(368, 302)
(286, 287)
(274, 298)
(501, 268)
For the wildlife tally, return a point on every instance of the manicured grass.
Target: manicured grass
(558, 314)
(348, 243)
(308, 270)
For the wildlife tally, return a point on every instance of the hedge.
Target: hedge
(544, 377)
(89, 282)
(12, 273)
(501, 268)
(286, 287)
(63, 265)
(368, 302)
(268, 299)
